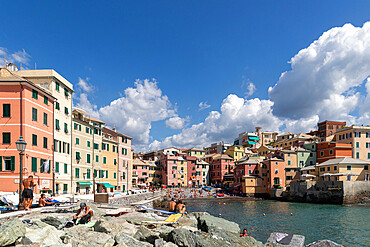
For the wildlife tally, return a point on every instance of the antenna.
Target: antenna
(35, 66)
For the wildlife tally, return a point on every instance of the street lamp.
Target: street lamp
(21, 147)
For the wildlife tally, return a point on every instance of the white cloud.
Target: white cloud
(324, 77)
(302, 125)
(203, 106)
(83, 103)
(17, 57)
(84, 85)
(236, 115)
(176, 122)
(251, 88)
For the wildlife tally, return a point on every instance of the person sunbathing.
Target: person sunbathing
(43, 202)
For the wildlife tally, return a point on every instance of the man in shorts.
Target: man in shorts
(27, 193)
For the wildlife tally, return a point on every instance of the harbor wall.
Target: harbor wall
(136, 198)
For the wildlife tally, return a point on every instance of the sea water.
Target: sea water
(346, 225)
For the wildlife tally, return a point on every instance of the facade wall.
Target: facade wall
(359, 138)
(16, 125)
(276, 174)
(362, 172)
(109, 160)
(326, 151)
(235, 152)
(219, 168)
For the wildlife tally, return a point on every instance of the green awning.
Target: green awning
(84, 183)
(253, 137)
(251, 142)
(108, 185)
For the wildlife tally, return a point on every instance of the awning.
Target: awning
(84, 183)
(253, 137)
(251, 142)
(308, 176)
(107, 185)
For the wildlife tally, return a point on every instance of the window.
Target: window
(357, 155)
(289, 162)
(45, 142)
(331, 151)
(348, 178)
(322, 153)
(57, 85)
(88, 173)
(78, 156)
(34, 165)
(46, 100)
(34, 114)
(366, 167)
(88, 144)
(174, 175)
(106, 174)
(9, 163)
(357, 145)
(6, 137)
(34, 94)
(34, 140)
(123, 175)
(322, 169)
(97, 158)
(66, 93)
(77, 141)
(349, 168)
(288, 155)
(6, 110)
(65, 128)
(328, 169)
(276, 171)
(66, 110)
(289, 178)
(57, 127)
(77, 172)
(57, 167)
(104, 160)
(114, 175)
(367, 144)
(65, 168)
(45, 119)
(88, 158)
(335, 168)
(96, 146)
(57, 106)
(115, 161)
(249, 171)
(75, 126)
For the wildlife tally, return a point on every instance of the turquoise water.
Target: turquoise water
(346, 225)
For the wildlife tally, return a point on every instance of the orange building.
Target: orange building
(275, 173)
(332, 150)
(26, 110)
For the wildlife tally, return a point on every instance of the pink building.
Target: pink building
(244, 167)
(140, 173)
(168, 163)
(194, 171)
(220, 166)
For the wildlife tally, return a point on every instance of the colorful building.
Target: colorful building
(358, 137)
(327, 129)
(276, 173)
(140, 173)
(235, 152)
(26, 110)
(219, 167)
(168, 163)
(195, 152)
(332, 150)
(109, 160)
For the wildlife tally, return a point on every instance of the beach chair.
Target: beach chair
(173, 218)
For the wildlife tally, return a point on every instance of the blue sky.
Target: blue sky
(198, 51)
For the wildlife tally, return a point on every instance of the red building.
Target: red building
(244, 167)
(332, 150)
(328, 128)
(194, 171)
(220, 166)
(168, 163)
(275, 173)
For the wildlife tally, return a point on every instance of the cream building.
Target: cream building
(196, 152)
(109, 161)
(358, 137)
(62, 90)
(182, 170)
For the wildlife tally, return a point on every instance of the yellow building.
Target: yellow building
(196, 152)
(358, 137)
(235, 152)
(182, 170)
(152, 172)
(108, 172)
(252, 185)
(343, 169)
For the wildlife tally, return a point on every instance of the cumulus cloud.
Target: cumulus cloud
(251, 88)
(236, 115)
(203, 106)
(176, 122)
(85, 85)
(16, 57)
(324, 77)
(302, 125)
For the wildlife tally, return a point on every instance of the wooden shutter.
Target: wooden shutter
(12, 163)
(1, 163)
(34, 164)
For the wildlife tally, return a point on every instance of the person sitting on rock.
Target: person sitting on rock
(180, 208)
(244, 234)
(43, 202)
(85, 214)
(172, 205)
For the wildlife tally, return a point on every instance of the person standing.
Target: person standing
(27, 193)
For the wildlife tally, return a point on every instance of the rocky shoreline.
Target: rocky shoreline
(193, 230)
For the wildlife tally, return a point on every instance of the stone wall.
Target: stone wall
(333, 192)
(131, 199)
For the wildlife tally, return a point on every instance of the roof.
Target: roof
(250, 161)
(201, 162)
(306, 168)
(137, 162)
(344, 161)
(223, 157)
(194, 149)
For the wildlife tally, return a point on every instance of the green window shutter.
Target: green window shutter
(77, 172)
(75, 126)
(34, 94)
(104, 160)
(45, 119)
(57, 124)
(124, 175)
(87, 130)
(42, 168)
(88, 173)
(1, 163)
(45, 144)
(34, 140)
(65, 168)
(88, 144)
(95, 173)
(66, 92)
(123, 151)
(88, 158)
(57, 85)
(6, 138)
(12, 163)
(114, 175)
(46, 101)
(57, 167)
(6, 110)
(66, 110)
(34, 114)
(65, 127)
(106, 174)
(57, 105)
(77, 141)
(78, 157)
(79, 127)
(107, 147)
(97, 158)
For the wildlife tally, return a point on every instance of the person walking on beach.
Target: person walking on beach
(27, 193)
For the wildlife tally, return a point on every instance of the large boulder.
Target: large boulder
(187, 220)
(11, 231)
(53, 221)
(45, 236)
(210, 223)
(123, 238)
(284, 239)
(163, 231)
(324, 243)
(82, 236)
(115, 227)
(146, 235)
(182, 237)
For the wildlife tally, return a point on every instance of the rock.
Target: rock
(187, 221)
(146, 235)
(114, 227)
(78, 236)
(197, 214)
(169, 244)
(53, 221)
(130, 241)
(163, 231)
(11, 231)
(182, 237)
(209, 223)
(45, 236)
(324, 243)
(295, 241)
